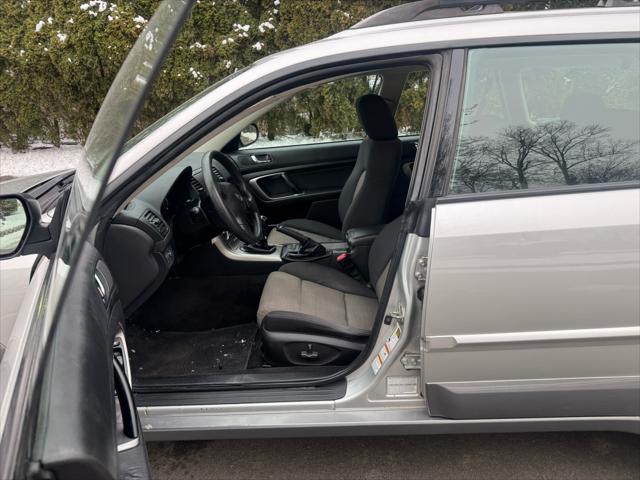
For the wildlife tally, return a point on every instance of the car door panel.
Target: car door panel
(306, 180)
(296, 155)
(532, 307)
(82, 437)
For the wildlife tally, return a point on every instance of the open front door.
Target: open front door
(84, 422)
(88, 421)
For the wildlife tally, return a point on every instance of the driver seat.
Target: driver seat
(367, 193)
(313, 314)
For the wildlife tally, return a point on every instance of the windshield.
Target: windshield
(162, 120)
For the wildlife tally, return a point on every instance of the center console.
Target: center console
(234, 249)
(357, 248)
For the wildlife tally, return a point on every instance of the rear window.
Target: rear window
(548, 116)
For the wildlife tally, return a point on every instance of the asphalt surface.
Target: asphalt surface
(518, 456)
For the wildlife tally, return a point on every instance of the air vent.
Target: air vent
(217, 173)
(156, 222)
(196, 184)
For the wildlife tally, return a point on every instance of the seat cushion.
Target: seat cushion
(318, 231)
(316, 297)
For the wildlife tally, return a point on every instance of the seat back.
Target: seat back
(366, 196)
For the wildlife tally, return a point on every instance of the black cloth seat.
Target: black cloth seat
(366, 196)
(312, 314)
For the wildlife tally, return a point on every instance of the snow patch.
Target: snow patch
(238, 27)
(196, 74)
(264, 26)
(302, 139)
(41, 159)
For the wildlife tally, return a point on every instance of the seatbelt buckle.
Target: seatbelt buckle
(344, 261)
(347, 266)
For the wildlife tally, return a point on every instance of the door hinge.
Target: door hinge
(411, 361)
(397, 314)
(421, 269)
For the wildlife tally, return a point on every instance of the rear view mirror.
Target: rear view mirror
(249, 135)
(14, 225)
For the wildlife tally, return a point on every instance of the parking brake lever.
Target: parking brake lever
(308, 246)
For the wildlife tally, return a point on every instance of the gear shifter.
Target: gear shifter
(308, 247)
(260, 247)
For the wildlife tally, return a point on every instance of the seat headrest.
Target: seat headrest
(376, 117)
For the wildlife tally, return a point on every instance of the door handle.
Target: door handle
(266, 158)
(127, 407)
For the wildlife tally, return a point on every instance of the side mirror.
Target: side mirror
(21, 232)
(249, 135)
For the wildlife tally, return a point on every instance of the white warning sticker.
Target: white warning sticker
(375, 365)
(385, 350)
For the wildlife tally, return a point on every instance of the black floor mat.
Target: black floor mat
(169, 354)
(188, 304)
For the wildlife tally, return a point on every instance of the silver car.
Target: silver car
(457, 250)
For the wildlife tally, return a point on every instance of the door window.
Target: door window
(549, 116)
(325, 113)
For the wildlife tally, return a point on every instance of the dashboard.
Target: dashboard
(147, 237)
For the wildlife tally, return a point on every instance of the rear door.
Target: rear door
(81, 420)
(532, 305)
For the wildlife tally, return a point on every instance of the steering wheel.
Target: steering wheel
(233, 200)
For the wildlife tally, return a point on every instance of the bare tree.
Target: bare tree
(474, 172)
(615, 161)
(569, 146)
(513, 149)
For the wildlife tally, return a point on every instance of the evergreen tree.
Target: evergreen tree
(58, 57)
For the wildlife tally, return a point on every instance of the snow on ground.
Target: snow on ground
(40, 158)
(301, 139)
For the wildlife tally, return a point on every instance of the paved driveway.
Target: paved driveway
(517, 456)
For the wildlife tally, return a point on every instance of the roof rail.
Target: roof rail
(430, 9)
